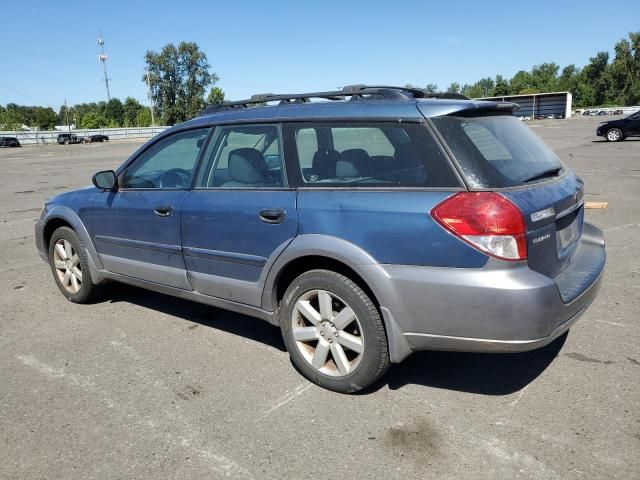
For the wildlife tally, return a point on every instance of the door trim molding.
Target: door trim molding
(127, 242)
(219, 255)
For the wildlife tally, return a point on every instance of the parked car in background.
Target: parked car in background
(68, 138)
(366, 229)
(603, 112)
(98, 138)
(618, 112)
(618, 130)
(9, 142)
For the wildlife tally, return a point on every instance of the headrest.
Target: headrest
(247, 165)
(324, 163)
(355, 162)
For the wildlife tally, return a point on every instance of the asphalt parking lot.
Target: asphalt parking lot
(146, 386)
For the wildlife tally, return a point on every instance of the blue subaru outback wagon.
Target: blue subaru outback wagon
(370, 224)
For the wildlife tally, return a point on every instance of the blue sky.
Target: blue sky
(49, 48)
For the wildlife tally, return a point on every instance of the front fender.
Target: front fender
(68, 215)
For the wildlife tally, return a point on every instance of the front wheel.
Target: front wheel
(333, 331)
(614, 135)
(70, 267)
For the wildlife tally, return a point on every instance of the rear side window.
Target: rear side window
(243, 156)
(497, 151)
(384, 154)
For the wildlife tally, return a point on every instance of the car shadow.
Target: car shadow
(205, 315)
(483, 373)
(628, 139)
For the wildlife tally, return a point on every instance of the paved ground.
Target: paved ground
(146, 386)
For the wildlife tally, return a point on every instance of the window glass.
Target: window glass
(243, 156)
(371, 140)
(371, 154)
(168, 163)
(496, 151)
(307, 145)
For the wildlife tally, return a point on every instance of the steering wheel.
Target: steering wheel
(175, 178)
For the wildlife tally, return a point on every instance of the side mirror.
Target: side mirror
(105, 180)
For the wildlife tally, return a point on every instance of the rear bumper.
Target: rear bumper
(503, 307)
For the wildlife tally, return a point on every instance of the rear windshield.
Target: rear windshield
(498, 151)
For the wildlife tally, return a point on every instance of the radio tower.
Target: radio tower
(103, 57)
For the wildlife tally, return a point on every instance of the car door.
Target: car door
(240, 215)
(633, 124)
(136, 229)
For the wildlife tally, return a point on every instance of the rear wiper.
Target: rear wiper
(552, 172)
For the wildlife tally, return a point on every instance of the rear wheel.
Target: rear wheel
(70, 267)
(333, 331)
(614, 135)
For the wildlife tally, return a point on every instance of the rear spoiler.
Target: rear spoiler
(487, 107)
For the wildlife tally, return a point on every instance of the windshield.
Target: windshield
(498, 151)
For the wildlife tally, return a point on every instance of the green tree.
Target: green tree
(179, 77)
(93, 119)
(544, 77)
(431, 88)
(472, 91)
(598, 76)
(45, 118)
(454, 88)
(501, 86)
(114, 112)
(487, 86)
(520, 81)
(625, 71)
(12, 118)
(130, 108)
(216, 95)
(143, 117)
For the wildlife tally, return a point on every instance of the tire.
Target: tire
(614, 135)
(66, 142)
(70, 268)
(357, 337)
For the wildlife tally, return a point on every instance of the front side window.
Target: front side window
(381, 154)
(168, 163)
(243, 156)
(497, 151)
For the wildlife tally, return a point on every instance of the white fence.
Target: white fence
(34, 137)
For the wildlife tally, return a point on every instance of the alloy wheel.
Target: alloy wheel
(327, 333)
(67, 265)
(613, 135)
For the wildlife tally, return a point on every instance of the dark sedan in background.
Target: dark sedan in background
(617, 130)
(9, 142)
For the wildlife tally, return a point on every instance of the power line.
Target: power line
(25, 95)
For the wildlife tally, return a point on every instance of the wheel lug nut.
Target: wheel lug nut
(330, 340)
(322, 334)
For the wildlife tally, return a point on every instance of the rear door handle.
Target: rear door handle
(272, 215)
(163, 210)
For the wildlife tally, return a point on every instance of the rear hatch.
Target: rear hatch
(499, 153)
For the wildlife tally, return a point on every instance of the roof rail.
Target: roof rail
(355, 92)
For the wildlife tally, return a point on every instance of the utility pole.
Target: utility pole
(153, 122)
(103, 57)
(67, 110)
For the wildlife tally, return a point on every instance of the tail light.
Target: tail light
(486, 221)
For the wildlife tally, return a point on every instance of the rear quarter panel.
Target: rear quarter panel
(393, 227)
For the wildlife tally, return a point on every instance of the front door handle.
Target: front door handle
(163, 210)
(272, 215)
